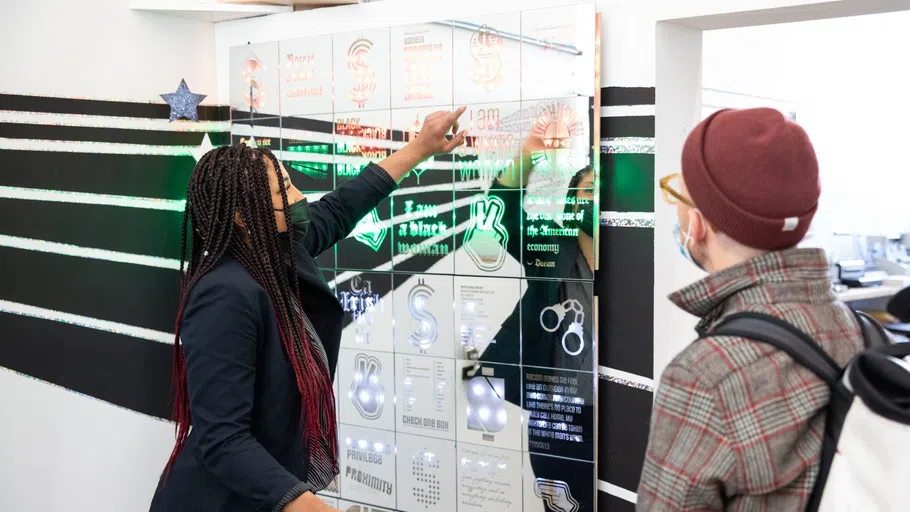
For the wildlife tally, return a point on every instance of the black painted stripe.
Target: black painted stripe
(305, 123)
(627, 126)
(626, 280)
(272, 121)
(625, 415)
(122, 370)
(117, 135)
(627, 182)
(132, 230)
(131, 294)
(609, 503)
(243, 115)
(49, 104)
(163, 177)
(621, 96)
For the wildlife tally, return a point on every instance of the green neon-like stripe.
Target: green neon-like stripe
(63, 196)
(30, 244)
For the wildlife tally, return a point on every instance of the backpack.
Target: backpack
(865, 460)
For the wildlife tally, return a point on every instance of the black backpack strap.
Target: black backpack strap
(874, 333)
(783, 336)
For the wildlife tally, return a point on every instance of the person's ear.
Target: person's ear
(698, 227)
(238, 220)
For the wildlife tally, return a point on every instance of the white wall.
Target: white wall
(853, 101)
(100, 49)
(60, 450)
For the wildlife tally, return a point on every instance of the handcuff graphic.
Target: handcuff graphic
(575, 328)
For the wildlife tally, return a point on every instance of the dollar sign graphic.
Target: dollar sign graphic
(427, 330)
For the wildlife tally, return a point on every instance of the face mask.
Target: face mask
(586, 224)
(300, 216)
(683, 245)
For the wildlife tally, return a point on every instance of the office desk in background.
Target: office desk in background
(885, 291)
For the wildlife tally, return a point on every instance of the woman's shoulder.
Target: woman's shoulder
(228, 280)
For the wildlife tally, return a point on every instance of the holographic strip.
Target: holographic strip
(122, 123)
(273, 132)
(626, 378)
(62, 196)
(385, 267)
(84, 321)
(628, 145)
(83, 395)
(627, 219)
(615, 490)
(442, 187)
(294, 156)
(30, 244)
(111, 148)
(627, 111)
(369, 142)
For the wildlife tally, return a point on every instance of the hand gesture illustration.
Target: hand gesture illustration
(486, 238)
(366, 393)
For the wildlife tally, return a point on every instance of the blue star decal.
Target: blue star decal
(183, 103)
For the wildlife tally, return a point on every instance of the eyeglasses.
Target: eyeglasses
(669, 186)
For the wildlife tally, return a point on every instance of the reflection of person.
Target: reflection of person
(573, 253)
(738, 425)
(258, 329)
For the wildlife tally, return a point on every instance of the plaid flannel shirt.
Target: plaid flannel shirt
(737, 425)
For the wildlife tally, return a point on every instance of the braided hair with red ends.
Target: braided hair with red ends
(231, 183)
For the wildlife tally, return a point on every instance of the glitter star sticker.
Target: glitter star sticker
(183, 103)
(203, 148)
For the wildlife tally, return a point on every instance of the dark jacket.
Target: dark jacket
(245, 451)
(543, 291)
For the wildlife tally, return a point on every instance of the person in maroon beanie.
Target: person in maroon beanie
(736, 424)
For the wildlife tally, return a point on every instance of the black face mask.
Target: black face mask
(299, 221)
(586, 224)
(300, 217)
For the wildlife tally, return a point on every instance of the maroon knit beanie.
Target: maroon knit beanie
(754, 176)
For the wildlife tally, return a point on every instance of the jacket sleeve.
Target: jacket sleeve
(219, 335)
(333, 217)
(689, 464)
(511, 218)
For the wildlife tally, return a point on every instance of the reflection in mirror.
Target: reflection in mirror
(465, 377)
(367, 387)
(260, 132)
(426, 473)
(423, 305)
(306, 76)
(425, 390)
(361, 70)
(557, 141)
(367, 451)
(307, 148)
(559, 484)
(422, 65)
(434, 173)
(254, 81)
(488, 234)
(489, 479)
(557, 42)
(482, 306)
(487, 59)
(367, 320)
(423, 232)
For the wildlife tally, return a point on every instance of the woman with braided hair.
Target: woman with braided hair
(258, 329)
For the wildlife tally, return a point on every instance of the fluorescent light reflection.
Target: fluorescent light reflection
(84, 321)
(30, 244)
(63, 196)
